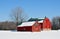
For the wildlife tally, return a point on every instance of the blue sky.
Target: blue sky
(33, 8)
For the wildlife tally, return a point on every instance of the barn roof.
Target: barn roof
(26, 24)
(36, 19)
(29, 23)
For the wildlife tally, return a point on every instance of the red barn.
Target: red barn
(35, 26)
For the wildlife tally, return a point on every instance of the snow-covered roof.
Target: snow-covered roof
(40, 21)
(26, 24)
(41, 18)
(29, 23)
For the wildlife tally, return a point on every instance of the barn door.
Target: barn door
(41, 26)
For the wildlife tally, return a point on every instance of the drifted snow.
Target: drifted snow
(41, 18)
(30, 35)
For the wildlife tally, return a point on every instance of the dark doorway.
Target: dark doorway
(41, 26)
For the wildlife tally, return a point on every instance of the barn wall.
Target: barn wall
(26, 28)
(36, 28)
(46, 24)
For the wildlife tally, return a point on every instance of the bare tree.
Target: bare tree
(18, 16)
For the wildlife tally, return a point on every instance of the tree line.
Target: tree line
(7, 25)
(56, 23)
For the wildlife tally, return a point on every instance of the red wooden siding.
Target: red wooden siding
(25, 28)
(36, 27)
(46, 24)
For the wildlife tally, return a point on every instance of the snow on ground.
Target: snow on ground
(30, 35)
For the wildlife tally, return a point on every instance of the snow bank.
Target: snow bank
(30, 35)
